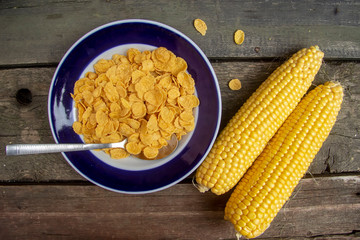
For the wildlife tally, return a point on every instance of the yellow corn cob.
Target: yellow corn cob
(248, 132)
(269, 182)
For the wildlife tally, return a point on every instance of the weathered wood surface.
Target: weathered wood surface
(35, 32)
(319, 207)
(29, 123)
(42, 197)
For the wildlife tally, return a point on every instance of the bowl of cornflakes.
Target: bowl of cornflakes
(140, 81)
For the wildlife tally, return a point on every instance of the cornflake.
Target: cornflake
(145, 97)
(235, 84)
(200, 26)
(239, 37)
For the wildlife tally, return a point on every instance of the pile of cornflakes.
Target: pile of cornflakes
(145, 97)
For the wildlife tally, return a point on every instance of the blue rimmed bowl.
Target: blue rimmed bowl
(132, 175)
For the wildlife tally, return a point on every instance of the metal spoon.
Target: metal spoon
(24, 149)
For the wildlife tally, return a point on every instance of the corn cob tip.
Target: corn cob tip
(199, 187)
(316, 50)
(333, 83)
(239, 236)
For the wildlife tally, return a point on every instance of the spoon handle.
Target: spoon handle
(23, 149)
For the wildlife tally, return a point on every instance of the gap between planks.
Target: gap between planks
(213, 60)
(188, 180)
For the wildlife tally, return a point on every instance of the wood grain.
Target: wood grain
(330, 205)
(29, 123)
(35, 32)
(42, 197)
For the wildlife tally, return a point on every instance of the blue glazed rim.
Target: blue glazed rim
(101, 39)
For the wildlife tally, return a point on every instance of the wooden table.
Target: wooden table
(42, 197)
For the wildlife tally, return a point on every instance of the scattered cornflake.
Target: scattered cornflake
(235, 84)
(239, 37)
(200, 26)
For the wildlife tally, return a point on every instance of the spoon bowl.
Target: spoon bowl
(164, 151)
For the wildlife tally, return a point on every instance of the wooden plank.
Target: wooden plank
(29, 123)
(318, 206)
(41, 31)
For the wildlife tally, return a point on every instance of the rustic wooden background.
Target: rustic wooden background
(42, 197)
